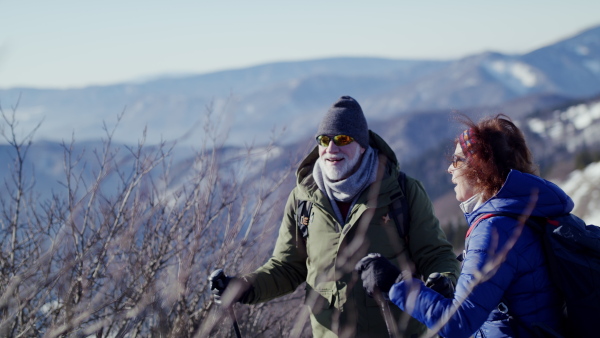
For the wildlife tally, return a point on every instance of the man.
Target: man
(351, 179)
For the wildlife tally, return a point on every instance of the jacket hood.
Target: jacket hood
(304, 178)
(519, 190)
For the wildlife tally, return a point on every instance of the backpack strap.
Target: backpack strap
(400, 212)
(303, 216)
(462, 256)
(399, 209)
(537, 223)
(479, 219)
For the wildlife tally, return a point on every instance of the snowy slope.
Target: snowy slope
(574, 126)
(584, 188)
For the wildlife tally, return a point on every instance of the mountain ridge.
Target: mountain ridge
(253, 101)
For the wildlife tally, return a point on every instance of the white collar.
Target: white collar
(471, 204)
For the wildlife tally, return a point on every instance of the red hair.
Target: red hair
(498, 146)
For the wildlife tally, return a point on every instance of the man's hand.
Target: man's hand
(378, 274)
(218, 283)
(227, 290)
(441, 284)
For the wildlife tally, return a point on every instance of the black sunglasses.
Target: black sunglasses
(456, 159)
(338, 140)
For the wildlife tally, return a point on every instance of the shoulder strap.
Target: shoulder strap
(303, 216)
(479, 219)
(400, 209)
(471, 228)
(536, 223)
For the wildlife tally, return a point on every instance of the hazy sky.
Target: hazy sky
(68, 43)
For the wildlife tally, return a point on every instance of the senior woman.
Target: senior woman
(504, 289)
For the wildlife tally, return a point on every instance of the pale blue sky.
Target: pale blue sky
(69, 43)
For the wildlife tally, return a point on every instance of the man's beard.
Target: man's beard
(337, 173)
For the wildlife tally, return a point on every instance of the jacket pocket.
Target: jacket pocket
(318, 299)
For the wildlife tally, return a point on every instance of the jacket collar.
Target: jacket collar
(471, 204)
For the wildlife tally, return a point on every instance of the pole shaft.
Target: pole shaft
(236, 327)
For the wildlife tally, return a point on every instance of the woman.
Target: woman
(504, 288)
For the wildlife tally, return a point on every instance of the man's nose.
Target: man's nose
(332, 148)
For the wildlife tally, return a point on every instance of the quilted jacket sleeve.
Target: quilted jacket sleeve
(479, 290)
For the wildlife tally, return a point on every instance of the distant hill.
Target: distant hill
(564, 134)
(251, 102)
(552, 93)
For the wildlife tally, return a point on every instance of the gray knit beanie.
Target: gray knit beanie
(346, 117)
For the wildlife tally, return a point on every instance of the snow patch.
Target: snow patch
(592, 65)
(524, 73)
(47, 308)
(582, 50)
(583, 186)
(582, 115)
(536, 125)
(518, 75)
(571, 121)
(556, 131)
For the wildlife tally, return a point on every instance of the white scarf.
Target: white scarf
(348, 189)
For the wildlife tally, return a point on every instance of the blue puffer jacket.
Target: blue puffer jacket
(521, 283)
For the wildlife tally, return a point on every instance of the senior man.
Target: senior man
(344, 206)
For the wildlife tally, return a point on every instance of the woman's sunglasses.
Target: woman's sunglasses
(456, 160)
(338, 140)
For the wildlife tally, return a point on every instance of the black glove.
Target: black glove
(227, 290)
(218, 283)
(378, 274)
(440, 284)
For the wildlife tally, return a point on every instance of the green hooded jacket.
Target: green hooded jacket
(336, 300)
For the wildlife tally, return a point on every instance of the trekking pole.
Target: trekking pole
(218, 276)
(390, 323)
(236, 327)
